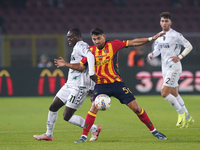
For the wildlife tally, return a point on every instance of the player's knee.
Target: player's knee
(52, 108)
(136, 109)
(66, 118)
(175, 94)
(133, 105)
(164, 93)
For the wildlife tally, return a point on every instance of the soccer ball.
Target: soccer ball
(102, 102)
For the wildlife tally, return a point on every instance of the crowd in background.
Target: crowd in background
(118, 16)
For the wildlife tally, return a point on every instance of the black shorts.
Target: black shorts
(116, 89)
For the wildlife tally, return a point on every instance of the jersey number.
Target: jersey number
(72, 99)
(127, 90)
(168, 79)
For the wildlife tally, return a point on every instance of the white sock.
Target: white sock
(181, 102)
(52, 117)
(153, 130)
(79, 121)
(84, 136)
(173, 101)
(93, 128)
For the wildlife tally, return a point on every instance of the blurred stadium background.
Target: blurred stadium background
(30, 28)
(122, 19)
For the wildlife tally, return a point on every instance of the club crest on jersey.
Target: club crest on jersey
(105, 50)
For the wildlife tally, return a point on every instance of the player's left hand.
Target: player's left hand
(175, 59)
(90, 93)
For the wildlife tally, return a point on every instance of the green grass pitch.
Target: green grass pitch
(22, 117)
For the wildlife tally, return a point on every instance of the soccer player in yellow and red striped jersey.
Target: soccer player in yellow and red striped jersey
(106, 61)
(109, 81)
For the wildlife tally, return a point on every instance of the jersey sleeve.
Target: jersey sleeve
(117, 44)
(182, 41)
(83, 49)
(84, 61)
(156, 50)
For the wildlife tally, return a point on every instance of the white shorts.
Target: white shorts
(73, 97)
(171, 77)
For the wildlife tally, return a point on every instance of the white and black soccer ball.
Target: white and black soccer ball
(102, 102)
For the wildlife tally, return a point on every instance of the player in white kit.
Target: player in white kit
(75, 90)
(169, 46)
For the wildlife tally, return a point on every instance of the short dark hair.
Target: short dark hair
(76, 31)
(166, 15)
(96, 31)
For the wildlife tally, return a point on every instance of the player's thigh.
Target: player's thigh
(56, 104)
(63, 94)
(101, 89)
(122, 93)
(171, 78)
(76, 97)
(116, 89)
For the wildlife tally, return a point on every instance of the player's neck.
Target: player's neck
(166, 30)
(80, 40)
(102, 46)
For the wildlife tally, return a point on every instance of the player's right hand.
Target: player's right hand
(94, 77)
(150, 56)
(59, 62)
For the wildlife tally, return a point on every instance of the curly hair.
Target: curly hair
(166, 15)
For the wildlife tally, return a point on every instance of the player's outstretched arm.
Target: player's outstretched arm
(61, 63)
(142, 41)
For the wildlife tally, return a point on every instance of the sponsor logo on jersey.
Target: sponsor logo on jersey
(163, 45)
(99, 63)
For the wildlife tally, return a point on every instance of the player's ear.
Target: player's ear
(78, 37)
(104, 36)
